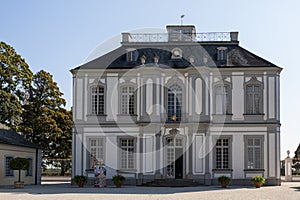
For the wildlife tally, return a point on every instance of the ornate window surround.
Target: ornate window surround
(96, 83)
(123, 85)
(254, 82)
(224, 84)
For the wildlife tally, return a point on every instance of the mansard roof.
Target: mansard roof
(236, 56)
(9, 136)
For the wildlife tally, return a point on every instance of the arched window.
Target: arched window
(127, 100)
(174, 103)
(97, 94)
(254, 97)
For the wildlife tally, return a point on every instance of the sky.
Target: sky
(59, 35)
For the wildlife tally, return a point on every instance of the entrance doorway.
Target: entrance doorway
(174, 168)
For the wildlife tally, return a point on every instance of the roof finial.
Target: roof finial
(182, 16)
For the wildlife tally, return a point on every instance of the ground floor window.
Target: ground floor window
(222, 153)
(8, 172)
(254, 152)
(127, 146)
(96, 149)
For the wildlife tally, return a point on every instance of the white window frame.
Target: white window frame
(8, 172)
(177, 91)
(250, 97)
(98, 100)
(127, 157)
(127, 100)
(96, 148)
(251, 160)
(224, 149)
(225, 95)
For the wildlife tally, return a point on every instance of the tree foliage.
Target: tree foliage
(45, 122)
(33, 105)
(15, 79)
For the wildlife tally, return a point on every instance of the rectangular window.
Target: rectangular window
(254, 150)
(96, 148)
(97, 100)
(30, 170)
(8, 172)
(127, 101)
(127, 153)
(222, 100)
(222, 154)
(253, 99)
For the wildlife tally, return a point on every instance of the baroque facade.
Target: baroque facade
(178, 105)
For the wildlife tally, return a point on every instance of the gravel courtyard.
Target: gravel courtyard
(290, 191)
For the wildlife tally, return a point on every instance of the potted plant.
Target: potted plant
(118, 180)
(80, 180)
(19, 164)
(258, 181)
(224, 180)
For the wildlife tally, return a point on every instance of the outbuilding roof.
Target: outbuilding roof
(11, 137)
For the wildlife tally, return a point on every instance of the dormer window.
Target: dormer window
(176, 53)
(222, 53)
(131, 55)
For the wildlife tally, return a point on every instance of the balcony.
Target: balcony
(179, 37)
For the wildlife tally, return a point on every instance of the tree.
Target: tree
(19, 164)
(45, 122)
(15, 79)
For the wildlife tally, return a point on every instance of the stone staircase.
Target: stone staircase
(172, 183)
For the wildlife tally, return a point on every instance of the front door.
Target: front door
(178, 163)
(174, 168)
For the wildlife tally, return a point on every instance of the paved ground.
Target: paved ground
(63, 191)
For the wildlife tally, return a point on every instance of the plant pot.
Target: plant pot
(258, 184)
(18, 184)
(81, 185)
(118, 185)
(224, 184)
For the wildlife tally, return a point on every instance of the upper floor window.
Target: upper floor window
(222, 99)
(127, 100)
(174, 103)
(98, 100)
(254, 98)
(8, 171)
(222, 53)
(131, 55)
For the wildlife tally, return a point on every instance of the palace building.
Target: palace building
(179, 105)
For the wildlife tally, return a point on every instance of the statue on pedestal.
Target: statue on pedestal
(100, 174)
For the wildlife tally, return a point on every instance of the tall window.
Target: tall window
(96, 148)
(254, 153)
(30, 170)
(8, 172)
(222, 99)
(127, 101)
(253, 99)
(98, 100)
(127, 153)
(222, 154)
(174, 103)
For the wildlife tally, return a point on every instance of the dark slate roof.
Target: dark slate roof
(237, 56)
(9, 136)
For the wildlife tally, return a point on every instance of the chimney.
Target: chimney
(234, 36)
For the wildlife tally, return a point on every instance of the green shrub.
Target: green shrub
(258, 179)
